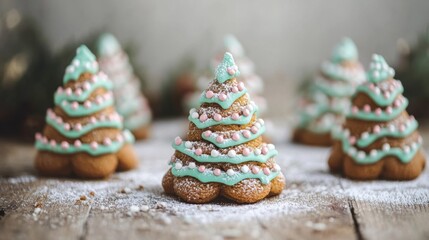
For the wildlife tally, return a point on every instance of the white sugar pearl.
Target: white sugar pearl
(386, 147)
(377, 90)
(178, 166)
(352, 151)
(276, 168)
(392, 128)
(257, 151)
(270, 146)
(188, 144)
(230, 172)
(262, 121)
(407, 149)
(192, 165)
(373, 153)
(365, 135)
(232, 153)
(414, 146)
(214, 153)
(76, 62)
(245, 169)
(376, 74)
(195, 115)
(361, 155)
(192, 111)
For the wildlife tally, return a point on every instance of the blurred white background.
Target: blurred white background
(286, 39)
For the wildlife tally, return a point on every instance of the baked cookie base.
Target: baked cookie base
(84, 165)
(306, 137)
(388, 168)
(191, 190)
(142, 132)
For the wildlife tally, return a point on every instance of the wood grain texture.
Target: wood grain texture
(131, 205)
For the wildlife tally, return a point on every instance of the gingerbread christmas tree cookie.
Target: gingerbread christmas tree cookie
(328, 99)
(129, 101)
(223, 153)
(379, 139)
(83, 135)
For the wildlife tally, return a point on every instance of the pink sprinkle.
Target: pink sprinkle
(120, 138)
(74, 105)
(219, 139)
(66, 126)
(38, 136)
(377, 129)
(266, 171)
(77, 143)
(87, 104)
(235, 116)
(201, 168)
(207, 133)
(217, 117)
(53, 143)
(68, 91)
(386, 95)
(65, 145)
(98, 100)
(59, 120)
(246, 133)
(94, 78)
(107, 141)
(60, 90)
(264, 150)
(246, 152)
(367, 108)
(255, 170)
(352, 140)
(45, 140)
(371, 86)
(378, 111)
(355, 109)
(198, 151)
(397, 103)
(234, 89)
(216, 172)
(86, 86)
(222, 97)
(94, 145)
(230, 70)
(389, 110)
(93, 120)
(203, 117)
(78, 92)
(235, 136)
(254, 129)
(209, 94)
(240, 86)
(402, 128)
(178, 141)
(392, 87)
(246, 112)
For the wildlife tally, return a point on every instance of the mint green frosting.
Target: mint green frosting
(101, 149)
(346, 50)
(85, 128)
(379, 99)
(229, 142)
(371, 116)
(379, 70)
(60, 97)
(221, 72)
(239, 158)
(83, 62)
(83, 111)
(138, 120)
(231, 97)
(223, 177)
(385, 132)
(225, 121)
(334, 90)
(107, 45)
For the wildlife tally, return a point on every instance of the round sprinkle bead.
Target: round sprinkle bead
(209, 94)
(230, 172)
(235, 116)
(201, 168)
(257, 151)
(194, 115)
(203, 117)
(246, 133)
(107, 141)
(246, 152)
(232, 153)
(214, 153)
(255, 170)
(266, 171)
(244, 169)
(222, 97)
(65, 145)
(234, 89)
(386, 147)
(94, 145)
(178, 141)
(217, 117)
(207, 133)
(77, 143)
(178, 166)
(235, 137)
(198, 151)
(219, 139)
(216, 172)
(192, 165)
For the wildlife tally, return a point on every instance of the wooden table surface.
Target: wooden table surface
(132, 205)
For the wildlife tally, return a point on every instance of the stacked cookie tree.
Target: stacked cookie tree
(328, 99)
(129, 101)
(224, 154)
(83, 134)
(379, 139)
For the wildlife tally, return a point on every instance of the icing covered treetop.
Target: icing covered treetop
(83, 62)
(108, 45)
(379, 70)
(233, 45)
(227, 69)
(346, 50)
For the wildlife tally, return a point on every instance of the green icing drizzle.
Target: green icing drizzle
(101, 149)
(85, 128)
(84, 61)
(230, 142)
(379, 70)
(379, 99)
(334, 91)
(223, 178)
(225, 121)
(83, 111)
(239, 158)
(346, 50)
(222, 74)
(60, 97)
(107, 45)
(371, 116)
(231, 97)
(385, 132)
